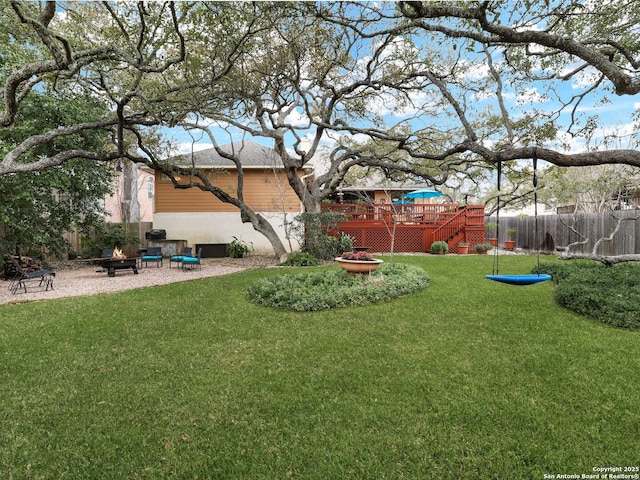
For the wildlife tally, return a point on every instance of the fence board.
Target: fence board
(552, 232)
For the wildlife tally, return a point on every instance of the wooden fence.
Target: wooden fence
(138, 229)
(552, 231)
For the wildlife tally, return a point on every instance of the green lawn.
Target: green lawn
(465, 379)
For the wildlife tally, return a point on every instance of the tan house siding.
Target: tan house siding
(263, 192)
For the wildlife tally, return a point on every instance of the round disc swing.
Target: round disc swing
(528, 279)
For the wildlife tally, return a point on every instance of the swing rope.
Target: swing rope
(535, 207)
(519, 279)
(495, 270)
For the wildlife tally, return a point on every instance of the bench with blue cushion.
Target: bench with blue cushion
(186, 252)
(191, 263)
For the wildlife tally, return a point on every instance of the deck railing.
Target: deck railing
(410, 214)
(420, 224)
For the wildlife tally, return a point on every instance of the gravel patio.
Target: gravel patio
(75, 279)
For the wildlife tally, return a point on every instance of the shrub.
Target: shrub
(332, 288)
(608, 294)
(312, 232)
(107, 235)
(439, 247)
(238, 248)
(301, 259)
(334, 246)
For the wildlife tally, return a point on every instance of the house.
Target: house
(132, 200)
(380, 192)
(200, 219)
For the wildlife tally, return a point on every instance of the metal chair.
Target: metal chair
(22, 278)
(153, 254)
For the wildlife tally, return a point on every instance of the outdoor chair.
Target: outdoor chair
(153, 254)
(186, 252)
(23, 278)
(190, 263)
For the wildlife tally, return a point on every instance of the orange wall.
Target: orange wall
(261, 192)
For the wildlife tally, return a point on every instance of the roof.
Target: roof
(251, 155)
(394, 186)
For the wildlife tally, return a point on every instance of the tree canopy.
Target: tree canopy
(431, 90)
(38, 208)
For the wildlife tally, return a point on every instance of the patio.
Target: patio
(78, 279)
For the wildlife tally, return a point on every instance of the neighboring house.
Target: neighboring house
(132, 200)
(383, 191)
(199, 218)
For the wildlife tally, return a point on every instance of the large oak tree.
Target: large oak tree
(420, 88)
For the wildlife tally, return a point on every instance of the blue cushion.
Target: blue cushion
(176, 258)
(190, 260)
(151, 257)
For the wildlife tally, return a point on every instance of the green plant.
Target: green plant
(608, 294)
(511, 232)
(107, 235)
(439, 247)
(463, 244)
(345, 243)
(328, 289)
(301, 259)
(238, 248)
(492, 228)
(483, 247)
(311, 230)
(334, 246)
(39, 208)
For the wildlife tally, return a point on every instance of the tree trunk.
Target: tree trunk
(261, 225)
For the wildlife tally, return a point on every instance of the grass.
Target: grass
(464, 379)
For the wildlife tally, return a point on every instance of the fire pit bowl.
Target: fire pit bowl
(113, 264)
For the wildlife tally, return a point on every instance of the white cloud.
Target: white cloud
(187, 147)
(297, 118)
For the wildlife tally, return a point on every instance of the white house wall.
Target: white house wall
(219, 228)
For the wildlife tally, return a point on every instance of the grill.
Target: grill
(156, 234)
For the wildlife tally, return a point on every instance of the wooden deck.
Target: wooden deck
(417, 226)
